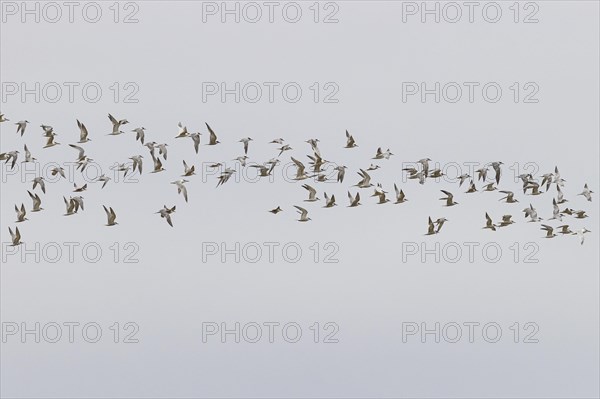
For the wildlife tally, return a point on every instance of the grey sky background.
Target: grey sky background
(370, 291)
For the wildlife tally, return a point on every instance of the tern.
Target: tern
(400, 197)
(482, 173)
(28, 157)
(78, 202)
(581, 233)
(183, 132)
(225, 176)
(241, 160)
(104, 179)
(430, 227)
(557, 179)
(80, 150)
(213, 137)
(83, 133)
(3, 119)
(510, 197)
(71, 204)
(440, 222)
(506, 220)
(366, 180)
(157, 165)
(276, 210)
(121, 167)
(532, 214)
(341, 173)
(436, 173)
(58, 170)
(425, 165)
(382, 155)
(8, 156)
(489, 187)
(181, 189)
(312, 193)
(196, 139)
(564, 229)
(111, 216)
(48, 130)
(245, 140)
(21, 213)
(329, 202)
(283, 149)
(264, 170)
(560, 198)
(37, 202)
(449, 198)
(162, 150)
(21, 125)
(81, 164)
(50, 142)
(300, 171)
(137, 162)
(354, 201)
(488, 223)
(117, 125)
(587, 193)
(303, 214)
(139, 134)
(496, 167)
(535, 188)
(415, 174)
(151, 146)
(350, 143)
(277, 141)
(556, 211)
(462, 178)
(580, 214)
(188, 171)
(373, 167)
(79, 189)
(40, 181)
(471, 188)
(547, 180)
(15, 237)
(166, 214)
(549, 231)
(317, 162)
(381, 195)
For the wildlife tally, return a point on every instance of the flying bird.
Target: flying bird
(111, 216)
(83, 133)
(303, 214)
(15, 237)
(37, 202)
(116, 125)
(350, 143)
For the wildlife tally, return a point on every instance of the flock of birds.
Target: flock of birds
(158, 153)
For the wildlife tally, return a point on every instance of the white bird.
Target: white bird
(196, 139)
(373, 167)
(83, 163)
(581, 233)
(383, 155)
(277, 141)
(3, 119)
(449, 198)
(471, 188)
(482, 173)
(532, 214)
(181, 189)
(28, 157)
(560, 198)
(213, 137)
(381, 194)
(48, 130)
(15, 237)
(78, 202)
(350, 143)
(303, 214)
(400, 197)
(564, 229)
(37, 202)
(354, 201)
(462, 178)
(71, 204)
(587, 193)
(183, 132)
(366, 180)
(157, 165)
(329, 202)
(187, 170)
(246, 140)
(137, 162)
(440, 222)
(284, 148)
(40, 181)
(489, 187)
(496, 167)
(50, 142)
(58, 170)
(488, 223)
(430, 227)
(300, 170)
(166, 214)
(580, 214)
(79, 189)
(506, 220)
(556, 211)
(21, 213)
(139, 134)
(341, 169)
(21, 125)
(225, 175)
(162, 150)
(117, 125)
(8, 156)
(111, 216)
(83, 133)
(533, 186)
(81, 151)
(312, 193)
(241, 160)
(510, 197)
(425, 165)
(549, 231)
(104, 179)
